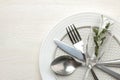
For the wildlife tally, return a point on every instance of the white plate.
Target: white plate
(47, 51)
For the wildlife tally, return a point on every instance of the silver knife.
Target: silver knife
(70, 50)
(110, 72)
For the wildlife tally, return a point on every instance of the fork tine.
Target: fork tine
(69, 36)
(77, 32)
(72, 35)
(73, 30)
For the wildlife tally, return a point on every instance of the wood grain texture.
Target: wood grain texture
(24, 23)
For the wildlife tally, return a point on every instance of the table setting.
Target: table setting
(84, 46)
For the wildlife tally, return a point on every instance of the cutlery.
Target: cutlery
(70, 50)
(108, 71)
(110, 63)
(75, 37)
(64, 65)
(63, 45)
(90, 64)
(78, 43)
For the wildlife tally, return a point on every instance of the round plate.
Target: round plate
(48, 47)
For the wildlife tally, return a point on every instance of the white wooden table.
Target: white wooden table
(24, 23)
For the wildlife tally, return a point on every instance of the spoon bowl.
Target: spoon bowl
(64, 65)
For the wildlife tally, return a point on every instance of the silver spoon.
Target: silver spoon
(64, 65)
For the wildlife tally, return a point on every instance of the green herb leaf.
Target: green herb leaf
(99, 37)
(107, 26)
(102, 39)
(95, 31)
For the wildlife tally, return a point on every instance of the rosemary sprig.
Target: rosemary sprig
(99, 37)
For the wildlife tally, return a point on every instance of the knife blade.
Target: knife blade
(70, 50)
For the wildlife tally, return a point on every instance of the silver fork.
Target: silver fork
(77, 42)
(75, 37)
